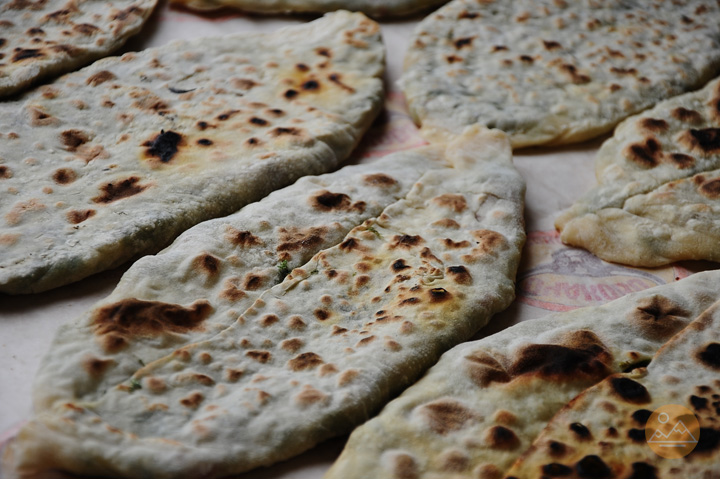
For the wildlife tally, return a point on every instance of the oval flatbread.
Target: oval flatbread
(486, 401)
(316, 354)
(551, 72)
(42, 38)
(658, 198)
(117, 159)
(375, 8)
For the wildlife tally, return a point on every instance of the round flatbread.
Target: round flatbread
(42, 38)
(551, 72)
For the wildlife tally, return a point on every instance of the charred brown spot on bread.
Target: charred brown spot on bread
(647, 154)
(592, 467)
(681, 160)
(100, 77)
(399, 265)
(244, 83)
(629, 390)
(285, 131)
(459, 274)
(500, 437)
(326, 201)
(26, 53)
(64, 176)
(5, 172)
(204, 142)
(711, 188)
(452, 202)
(706, 140)
(86, 29)
(454, 461)
(258, 121)
(406, 241)
(321, 314)
(623, 71)
(484, 369)
(404, 467)
(450, 244)
(659, 317)
(40, 118)
(527, 59)
(347, 376)
(292, 344)
(193, 400)
(551, 45)
(581, 356)
(78, 216)
(268, 320)
(119, 189)
(253, 142)
(73, 139)
(207, 264)
(164, 145)
(439, 295)
(253, 282)
(465, 15)
(118, 322)
(463, 42)
(488, 241)
(453, 59)
(336, 78)
(290, 94)
(654, 124)
(310, 85)
(556, 449)
(305, 361)
(259, 355)
(572, 72)
(244, 239)
(446, 223)
(641, 416)
(698, 403)
(309, 396)
(686, 115)
(380, 180)
(231, 291)
(709, 356)
(580, 431)
(297, 239)
(96, 367)
(351, 244)
(446, 415)
(708, 442)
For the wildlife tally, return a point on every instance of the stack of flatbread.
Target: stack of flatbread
(658, 197)
(555, 71)
(41, 38)
(506, 405)
(188, 380)
(119, 158)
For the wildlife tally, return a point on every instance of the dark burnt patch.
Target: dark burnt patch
(647, 154)
(623, 71)
(686, 115)
(459, 274)
(193, 400)
(527, 59)
(446, 415)
(581, 357)
(592, 467)
(709, 356)
(708, 442)
(253, 282)
(580, 431)
(556, 449)
(465, 15)
(337, 80)
(380, 180)
(204, 142)
(439, 295)
(555, 469)
(406, 241)
(324, 52)
(311, 85)
(659, 317)
(409, 301)
(78, 216)
(399, 265)
(290, 94)
(327, 201)
(681, 160)
(630, 391)
(643, 470)
(86, 29)
(321, 314)
(227, 115)
(164, 146)
(5, 172)
(259, 121)
(119, 189)
(698, 403)
(244, 239)
(285, 131)
(26, 53)
(706, 140)
(450, 244)
(64, 176)
(654, 125)
(710, 189)
(351, 244)
(305, 361)
(73, 139)
(500, 437)
(572, 72)
(207, 264)
(551, 45)
(636, 435)
(253, 142)
(96, 367)
(641, 416)
(463, 42)
(116, 324)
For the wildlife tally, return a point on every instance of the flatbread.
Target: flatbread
(476, 411)
(227, 263)
(554, 72)
(318, 353)
(658, 198)
(42, 38)
(117, 159)
(375, 8)
(613, 416)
